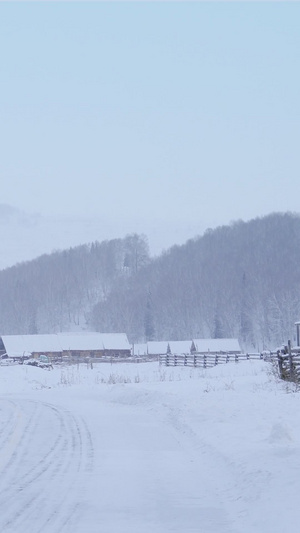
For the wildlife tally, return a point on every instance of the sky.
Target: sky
(172, 111)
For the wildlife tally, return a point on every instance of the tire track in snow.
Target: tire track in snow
(8, 422)
(14, 441)
(223, 474)
(39, 492)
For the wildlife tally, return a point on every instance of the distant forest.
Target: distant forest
(241, 280)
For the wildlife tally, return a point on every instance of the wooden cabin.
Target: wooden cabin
(57, 345)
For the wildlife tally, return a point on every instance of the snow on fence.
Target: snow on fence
(289, 364)
(288, 360)
(208, 359)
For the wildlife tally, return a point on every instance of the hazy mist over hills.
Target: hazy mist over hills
(25, 236)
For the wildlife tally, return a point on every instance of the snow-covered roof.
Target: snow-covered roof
(217, 345)
(115, 341)
(175, 347)
(95, 341)
(157, 347)
(178, 347)
(57, 342)
(140, 349)
(19, 344)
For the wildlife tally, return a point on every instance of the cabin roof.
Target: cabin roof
(57, 342)
(217, 345)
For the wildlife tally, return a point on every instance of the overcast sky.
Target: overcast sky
(183, 111)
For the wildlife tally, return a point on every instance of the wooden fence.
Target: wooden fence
(289, 363)
(209, 359)
(287, 359)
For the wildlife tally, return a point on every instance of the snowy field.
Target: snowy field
(138, 448)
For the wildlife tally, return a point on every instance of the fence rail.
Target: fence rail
(289, 364)
(288, 360)
(208, 360)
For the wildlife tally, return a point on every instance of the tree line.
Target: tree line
(240, 280)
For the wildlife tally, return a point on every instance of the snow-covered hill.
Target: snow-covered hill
(25, 236)
(138, 448)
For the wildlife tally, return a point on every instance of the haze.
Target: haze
(179, 112)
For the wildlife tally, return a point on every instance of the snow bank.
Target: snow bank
(167, 448)
(20, 378)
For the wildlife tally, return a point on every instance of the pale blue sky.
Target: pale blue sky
(178, 110)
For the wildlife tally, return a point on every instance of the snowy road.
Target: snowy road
(150, 475)
(145, 474)
(155, 452)
(45, 452)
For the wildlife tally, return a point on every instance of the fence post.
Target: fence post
(185, 359)
(280, 364)
(290, 361)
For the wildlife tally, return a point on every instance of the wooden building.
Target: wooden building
(216, 346)
(57, 345)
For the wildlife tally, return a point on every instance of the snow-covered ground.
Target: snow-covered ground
(138, 448)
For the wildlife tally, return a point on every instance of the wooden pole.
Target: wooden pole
(291, 368)
(280, 364)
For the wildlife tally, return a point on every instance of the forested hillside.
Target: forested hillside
(56, 292)
(241, 280)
